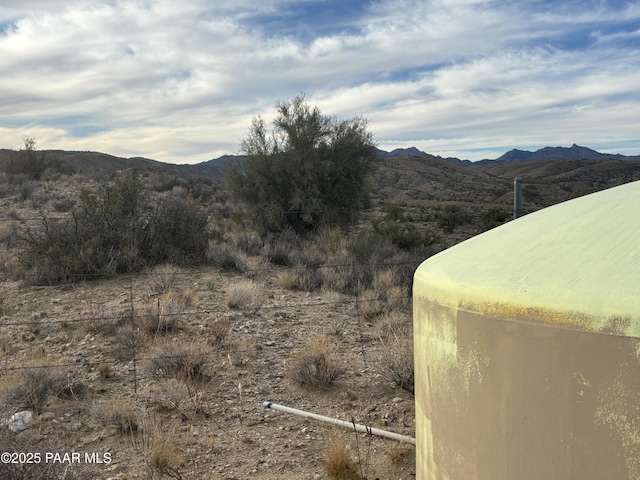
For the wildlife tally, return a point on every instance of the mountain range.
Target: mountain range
(573, 152)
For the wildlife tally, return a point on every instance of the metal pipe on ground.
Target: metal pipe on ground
(342, 423)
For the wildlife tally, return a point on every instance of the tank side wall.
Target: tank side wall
(502, 399)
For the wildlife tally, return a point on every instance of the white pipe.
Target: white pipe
(342, 423)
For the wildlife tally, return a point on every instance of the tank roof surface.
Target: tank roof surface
(575, 264)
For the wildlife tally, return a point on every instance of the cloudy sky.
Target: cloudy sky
(179, 81)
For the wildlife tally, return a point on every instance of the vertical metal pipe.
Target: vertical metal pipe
(517, 197)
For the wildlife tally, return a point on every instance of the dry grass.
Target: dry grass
(183, 359)
(164, 278)
(161, 319)
(219, 330)
(244, 295)
(395, 361)
(338, 463)
(31, 388)
(105, 372)
(315, 364)
(163, 456)
(118, 413)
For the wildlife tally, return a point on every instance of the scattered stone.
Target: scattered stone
(20, 421)
(46, 416)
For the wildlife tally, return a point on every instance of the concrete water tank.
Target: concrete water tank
(527, 347)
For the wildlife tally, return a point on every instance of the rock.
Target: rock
(20, 421)
(46, 416)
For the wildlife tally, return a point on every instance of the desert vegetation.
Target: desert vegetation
(308, 172)
(148, 314)
(149, 303)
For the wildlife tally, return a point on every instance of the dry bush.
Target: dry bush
(248, 243)
(72, 389)
(182, 359)
(315, 365)
(395, 324)
(10, 234)
(244, 295)
(155, 320)
(395, 361)
(38, 352)
(401, 454)
(332, 240)
(176, 301)
(98, 320)
(170, 394)
(219, 330)
(42, 470)
(306, 279)
(6, 347)
(164, 316)
(163, 278)
(288, 279)
(10, 266)
(129, 341)
(226, 257)
(32, 387)
(371, 304)
(162, 455)
(105, 372)
(384, 296)
(118, 413)
(242, 352)
(338, 463)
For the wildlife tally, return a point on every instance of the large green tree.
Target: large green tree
(307, 171)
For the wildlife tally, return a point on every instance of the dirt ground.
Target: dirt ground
(214, 427)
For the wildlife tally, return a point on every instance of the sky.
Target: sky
(180, 82)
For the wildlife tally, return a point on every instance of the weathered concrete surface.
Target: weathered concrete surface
(527, 347)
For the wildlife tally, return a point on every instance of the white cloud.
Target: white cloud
(179, 81)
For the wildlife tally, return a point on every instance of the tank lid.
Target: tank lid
(576, 264)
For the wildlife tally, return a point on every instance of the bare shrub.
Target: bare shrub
(164, 277)
(162, 455)
(182, 359)
(9, 234)
(97, 320)
(72, 389)
(63, 204)
(219, 330)
(170, 394)
(32, 388)
(223, 256)
(395, 362)
(42, 470)
(394, 324)
(338, 462)
(288, 279)
(244, 295)
(27, 161)
(248, 243)
(162, 318)
(384, 296)
(280, 248)
(128, 340)
(118, 413)
(242, 352)
(315, 365)
(105, 372)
